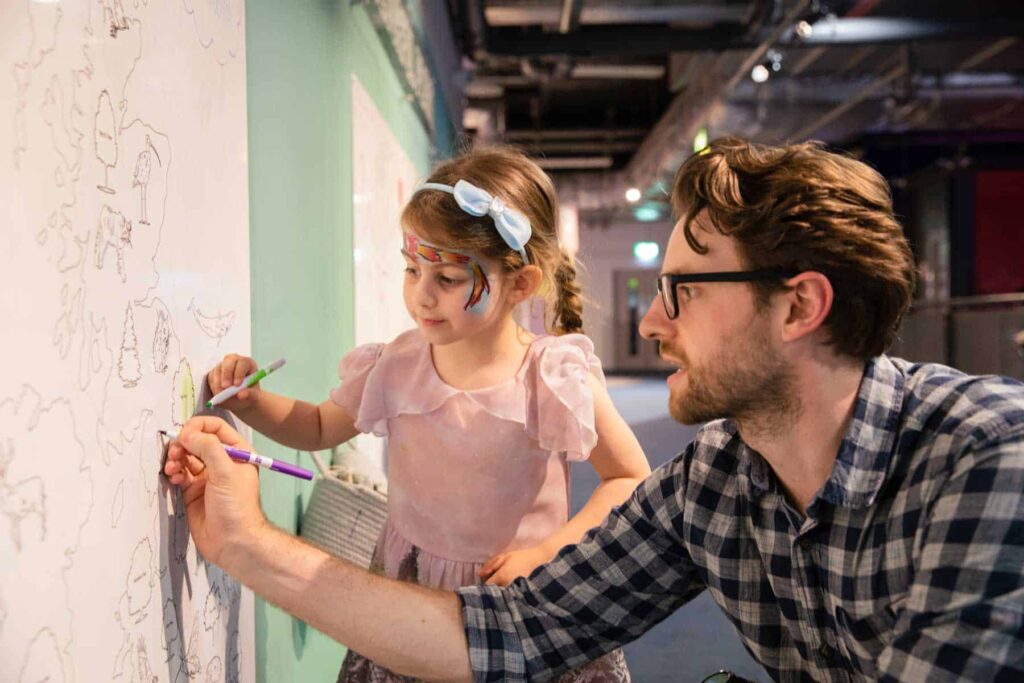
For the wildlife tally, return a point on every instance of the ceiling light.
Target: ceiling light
(633, 195)
(759, 74)
(804, 29)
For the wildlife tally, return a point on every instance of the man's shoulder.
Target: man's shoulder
(713, 454)
(941, 401)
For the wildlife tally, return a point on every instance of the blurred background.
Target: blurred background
(612, 96)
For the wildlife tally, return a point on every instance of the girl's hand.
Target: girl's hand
(504, 568)
(230, 372)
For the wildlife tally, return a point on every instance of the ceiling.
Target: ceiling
(609, 94)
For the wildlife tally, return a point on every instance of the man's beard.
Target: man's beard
(745, 380)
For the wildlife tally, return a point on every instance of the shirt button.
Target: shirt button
(826, 652)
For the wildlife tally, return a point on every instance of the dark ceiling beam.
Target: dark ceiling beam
(574, 134)
(604, 41)
(644, 40)
(579, 146)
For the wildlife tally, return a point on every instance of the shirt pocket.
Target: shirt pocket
(868, 630)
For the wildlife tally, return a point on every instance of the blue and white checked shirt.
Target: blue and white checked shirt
(908, 567)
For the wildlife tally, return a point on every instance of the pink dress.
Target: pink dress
(471, 473)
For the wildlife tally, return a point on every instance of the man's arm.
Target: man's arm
(407, 628)
(622, 579)
(964, 616)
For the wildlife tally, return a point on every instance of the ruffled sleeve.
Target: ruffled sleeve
(365, 408)
(560, 403)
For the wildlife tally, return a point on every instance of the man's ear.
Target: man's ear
(808, 301)
(524, 283)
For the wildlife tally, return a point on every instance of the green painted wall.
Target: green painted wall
(301, 56)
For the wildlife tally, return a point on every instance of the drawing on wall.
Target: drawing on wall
(128, 367)
(120, 114)
(183, 402)
(161, 342)
(140, 178)
(213, 326)
(114, 230)
(106, 138)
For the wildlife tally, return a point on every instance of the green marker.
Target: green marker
(246, 383)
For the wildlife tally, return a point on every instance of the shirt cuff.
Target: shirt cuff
(495, 649)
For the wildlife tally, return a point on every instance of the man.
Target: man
(856, 517)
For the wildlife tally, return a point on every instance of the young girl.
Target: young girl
(482, 418)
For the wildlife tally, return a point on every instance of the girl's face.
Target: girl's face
(451, 295)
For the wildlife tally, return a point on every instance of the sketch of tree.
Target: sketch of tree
(161, 342)
(183, 403)
(128, 366)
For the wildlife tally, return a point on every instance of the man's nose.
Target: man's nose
(654, 322)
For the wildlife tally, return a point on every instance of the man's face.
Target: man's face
(729, 364)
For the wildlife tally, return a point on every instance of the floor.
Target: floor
(698, 639)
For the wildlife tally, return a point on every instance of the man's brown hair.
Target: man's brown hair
(801, 207)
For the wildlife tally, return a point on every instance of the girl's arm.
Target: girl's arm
(621, 464)
(297, 424)
(619, 461)
(288, 421)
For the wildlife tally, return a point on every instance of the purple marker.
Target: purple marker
(257, 459)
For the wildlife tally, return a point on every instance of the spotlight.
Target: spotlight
(759, 74)
(804, 29)
(633, 195)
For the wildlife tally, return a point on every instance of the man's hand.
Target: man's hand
(221, 496)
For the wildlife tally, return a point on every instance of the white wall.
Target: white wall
(602, 252)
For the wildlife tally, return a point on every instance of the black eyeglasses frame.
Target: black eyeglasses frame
(668, 283)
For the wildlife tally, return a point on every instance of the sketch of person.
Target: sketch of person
(140, 178)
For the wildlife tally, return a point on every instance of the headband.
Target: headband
(513, 226)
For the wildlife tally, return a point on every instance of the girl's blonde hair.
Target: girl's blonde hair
(521, 184)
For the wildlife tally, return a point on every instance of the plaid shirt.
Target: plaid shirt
(909, 565)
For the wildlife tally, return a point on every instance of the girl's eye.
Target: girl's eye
(447, 281)
(410, 271)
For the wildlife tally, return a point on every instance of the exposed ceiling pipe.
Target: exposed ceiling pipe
(569, 20)
(515, 14)
(867, 91)
(758, 53)
(669, 140)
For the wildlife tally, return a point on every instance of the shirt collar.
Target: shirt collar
(864, 454)
(865, 451)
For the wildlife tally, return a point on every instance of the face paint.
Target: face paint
(479, 293)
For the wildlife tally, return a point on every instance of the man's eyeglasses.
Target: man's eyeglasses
(668, 284)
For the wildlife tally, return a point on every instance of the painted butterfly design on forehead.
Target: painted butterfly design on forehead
(432, 254)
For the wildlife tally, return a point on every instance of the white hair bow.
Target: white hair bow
(513, 226)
